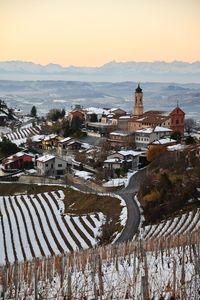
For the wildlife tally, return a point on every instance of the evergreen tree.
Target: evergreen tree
(76, 124)
(63, 113)
(33, 111)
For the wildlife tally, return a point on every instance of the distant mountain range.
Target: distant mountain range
(158, 71)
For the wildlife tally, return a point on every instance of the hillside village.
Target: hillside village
(119, 142)
(151, 158)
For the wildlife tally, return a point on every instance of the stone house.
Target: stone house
(51, 165)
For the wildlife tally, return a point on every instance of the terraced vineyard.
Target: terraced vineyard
(183, 224)
(23, 133)
(34, 226)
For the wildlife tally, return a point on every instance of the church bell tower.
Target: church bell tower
(138, 107)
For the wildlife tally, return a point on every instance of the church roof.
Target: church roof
(176, 111)
(151, 117)
(138, 89)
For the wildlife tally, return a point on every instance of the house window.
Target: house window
(52, 166)
(46, 165)
(59, 165)
(177, 121)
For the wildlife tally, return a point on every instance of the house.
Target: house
(123, 122)
(157, 147)
(102, 113)
(118, 111)
(50, 141)
(114, 163)
(124, 159)
(18, 161)
(146, 136)
(76, 114)
(51, 165)
(120, 139)
(68, 144)
(101, 128)
(94, 112)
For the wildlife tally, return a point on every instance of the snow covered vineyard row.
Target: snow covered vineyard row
(23, 133)
(34, 226)
(164, 269)
(185, 223)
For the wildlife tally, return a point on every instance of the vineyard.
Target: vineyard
(23, 133)
(161, 269)
(34, 225)
(46, 254)
(185, 223)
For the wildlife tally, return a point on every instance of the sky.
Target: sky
(94, 32)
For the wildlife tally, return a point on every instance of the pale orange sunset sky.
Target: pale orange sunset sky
(93, 32)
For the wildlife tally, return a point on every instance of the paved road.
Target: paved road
(133, 217)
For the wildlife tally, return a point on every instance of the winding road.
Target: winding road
(133, 212)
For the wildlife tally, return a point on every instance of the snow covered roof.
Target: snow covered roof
(145, 130)
(176, 147)
(37, 138)
(113, 160)
(2, 114)
(124, 117)
(129, 152)
(45, 157)
(19, 154)
(151, 129)
(50, 136)
(121, 133)
(65, 140)
(164, 141)
(96, 110)
(86, 146)
(162, 129)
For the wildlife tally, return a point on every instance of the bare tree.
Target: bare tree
(189, 125)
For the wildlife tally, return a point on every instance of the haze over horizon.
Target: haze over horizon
(103, 64)
(85, 33)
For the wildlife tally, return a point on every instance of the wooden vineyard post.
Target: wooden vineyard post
(16, 279)
(62, 271)
(183, 275)
(101, 290)
(69, 283)
(35, 281)
(4, 280)
(93, 273)
(174, 277)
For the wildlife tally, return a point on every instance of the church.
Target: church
(140, 119)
